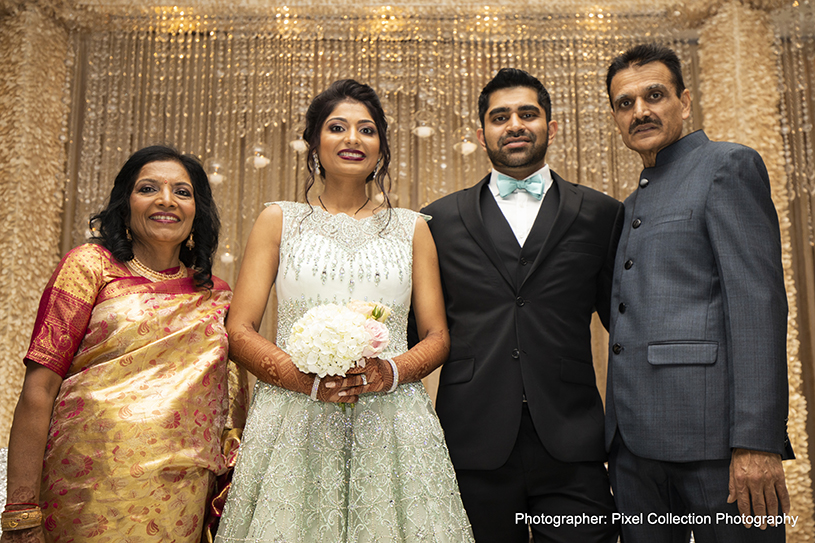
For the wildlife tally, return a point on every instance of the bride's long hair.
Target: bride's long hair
(348, 90)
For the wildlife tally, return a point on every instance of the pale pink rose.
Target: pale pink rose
(379, 338)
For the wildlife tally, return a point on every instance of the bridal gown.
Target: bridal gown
(312, 472)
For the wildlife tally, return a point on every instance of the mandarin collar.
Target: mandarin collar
(681, 147)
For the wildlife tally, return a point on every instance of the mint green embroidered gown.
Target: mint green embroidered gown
(309, 472)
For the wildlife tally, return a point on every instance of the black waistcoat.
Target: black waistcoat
(517, 259)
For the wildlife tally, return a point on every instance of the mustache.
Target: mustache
(521, 134)
(640, 122)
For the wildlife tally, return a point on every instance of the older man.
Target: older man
(697, 387)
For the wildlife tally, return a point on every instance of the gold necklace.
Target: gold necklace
(137, 267)
(355, 212)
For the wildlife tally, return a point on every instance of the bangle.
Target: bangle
(395, 375)
(31, 505)
(314, 388)
(21, 519)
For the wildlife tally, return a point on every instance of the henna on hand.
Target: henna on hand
(273, 365)
(422, 359)
(267, 361)
(419, 362)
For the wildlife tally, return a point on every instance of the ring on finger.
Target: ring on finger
(364, 380)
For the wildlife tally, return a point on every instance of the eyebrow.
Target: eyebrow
(650, 87)
(526, 107)
(343, 119)
(151, 180)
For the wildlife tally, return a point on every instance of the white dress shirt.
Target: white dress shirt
(521, 208)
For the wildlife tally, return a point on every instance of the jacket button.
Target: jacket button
(643, 183)
(636, 223)
(628, 264)
(524, 261)
(520, 301)
(516, 354)
(622, 308)
(617, 348)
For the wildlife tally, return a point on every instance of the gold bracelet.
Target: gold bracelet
(21, 519)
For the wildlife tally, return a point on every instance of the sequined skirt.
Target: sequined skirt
(310, 472)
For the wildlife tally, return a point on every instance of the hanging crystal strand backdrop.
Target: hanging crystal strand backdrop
(89, 141)
(215, 84)
(218, 148)
(559, 76)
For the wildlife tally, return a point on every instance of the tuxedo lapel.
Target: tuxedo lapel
(567, 211)
(469, 208)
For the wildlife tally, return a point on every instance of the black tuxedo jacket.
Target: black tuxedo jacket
(519, 321)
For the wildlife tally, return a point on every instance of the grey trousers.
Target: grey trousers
(661, 502)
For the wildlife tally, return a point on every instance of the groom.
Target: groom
(525, 258)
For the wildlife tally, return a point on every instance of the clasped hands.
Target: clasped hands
(375, 375)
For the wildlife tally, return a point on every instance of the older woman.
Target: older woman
(117, 432)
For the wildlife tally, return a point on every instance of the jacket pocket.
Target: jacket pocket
(583, 248)
(457, 371)
(685, 215)
(683, 353)
(575, 371)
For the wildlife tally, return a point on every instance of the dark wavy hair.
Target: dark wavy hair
(109, 226)
(642, 54)
(348, 90)
(509, 78)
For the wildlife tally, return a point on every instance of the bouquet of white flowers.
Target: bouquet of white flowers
(330, 339)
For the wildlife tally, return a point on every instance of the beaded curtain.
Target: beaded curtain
(220, 86)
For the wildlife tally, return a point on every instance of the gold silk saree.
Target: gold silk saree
(135, 439)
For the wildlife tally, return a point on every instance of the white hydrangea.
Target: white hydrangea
(328, 340)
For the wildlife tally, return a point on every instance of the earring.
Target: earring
(316, 164)
(190, 243)
(376, 168)
(127, 234)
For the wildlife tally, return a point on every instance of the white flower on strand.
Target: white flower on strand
(330, 339)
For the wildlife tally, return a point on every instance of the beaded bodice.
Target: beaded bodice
(328, 258)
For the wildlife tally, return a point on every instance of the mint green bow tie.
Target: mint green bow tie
(507, 185)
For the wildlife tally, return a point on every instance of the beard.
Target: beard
(518, 158)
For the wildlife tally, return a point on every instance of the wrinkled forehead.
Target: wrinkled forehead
(638, 78)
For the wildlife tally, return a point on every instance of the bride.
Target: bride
(359, 458)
